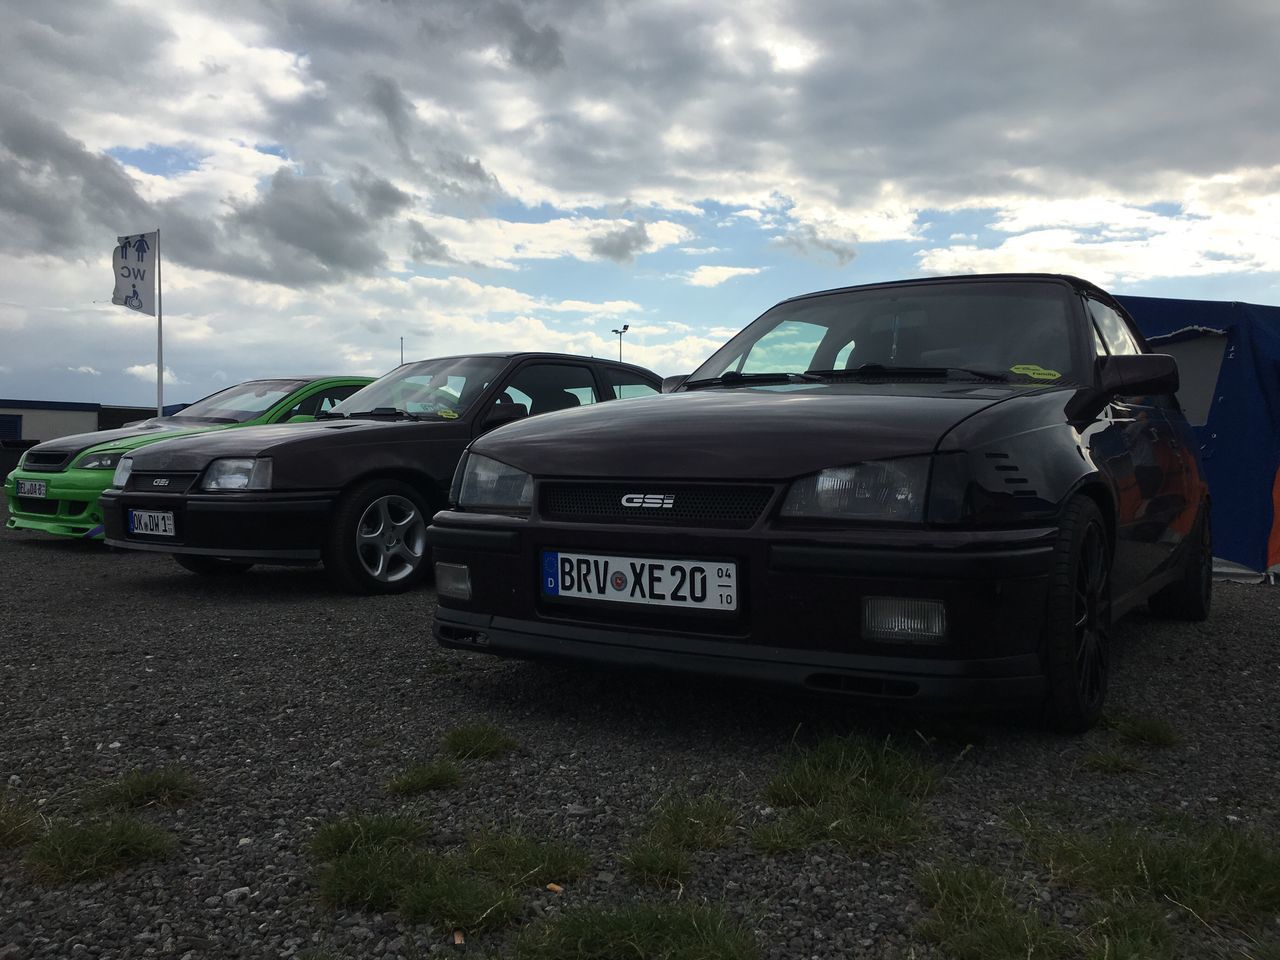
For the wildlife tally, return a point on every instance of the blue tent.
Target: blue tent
(1229, 360)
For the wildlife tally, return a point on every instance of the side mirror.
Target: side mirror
(502, 413)
(301, 418)
(671, 384)
(1140, 374)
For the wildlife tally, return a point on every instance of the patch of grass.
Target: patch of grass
(71, 852)
(974, 918)
(1218, 872)
(1145, 730)
(19, 824)
(362, 832)
(373, 877)
(481, 741)
(519, 861)
(454, 900)
(165, 787)
(858, 792)
(657, 864)
(683, 931)
(1111, 762)
(1127, 930)
(701, 823)
(422, 778)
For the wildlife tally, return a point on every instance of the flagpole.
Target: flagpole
(159, 333)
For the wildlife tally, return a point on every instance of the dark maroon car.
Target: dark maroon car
(932, 490)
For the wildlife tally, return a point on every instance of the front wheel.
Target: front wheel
(377, 540)
(1078, 624)
(210, 566)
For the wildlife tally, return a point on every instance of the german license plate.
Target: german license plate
(33, 488)
(696, 584)
(152, 523)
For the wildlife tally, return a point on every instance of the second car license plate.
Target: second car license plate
(153, 523)
(32, 488)
(698, 584)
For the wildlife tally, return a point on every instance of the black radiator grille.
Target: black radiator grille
(33, 505)
(161, 482)
(45, 462)
(728, 506)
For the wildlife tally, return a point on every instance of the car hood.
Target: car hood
(195, 453)
(156, 428)
(741, 433)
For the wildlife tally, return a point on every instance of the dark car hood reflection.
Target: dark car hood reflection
(742, 433)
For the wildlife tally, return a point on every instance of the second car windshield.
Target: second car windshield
(242, 402)
(442, 388)
(1011, 329)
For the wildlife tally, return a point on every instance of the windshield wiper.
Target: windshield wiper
(391, 413)
(735, 379)
(888, 371)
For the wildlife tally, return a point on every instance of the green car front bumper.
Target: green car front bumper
(69, 507)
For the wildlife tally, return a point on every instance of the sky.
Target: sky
(329, 176)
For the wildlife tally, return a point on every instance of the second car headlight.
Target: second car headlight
(891, 490)
(121, 476)
(492, 485)
(238, 473)
(98, 461)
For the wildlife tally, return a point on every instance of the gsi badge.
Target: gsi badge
(655, 501)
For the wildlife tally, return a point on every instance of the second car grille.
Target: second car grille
(161, 482)
(728, 506)
(45, 462)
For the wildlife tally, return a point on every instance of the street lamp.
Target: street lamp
(625, 328)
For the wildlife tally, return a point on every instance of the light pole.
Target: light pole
(625, 328)
(402, 350)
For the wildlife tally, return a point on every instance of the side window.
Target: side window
(627, 385)
(318, 403)
(1099, 348)
(547, 387)
(1113, 328)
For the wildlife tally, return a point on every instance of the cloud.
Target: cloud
(808, 240)
(147, 371)
(622, 244)
(426, 247)
(91, 371)
(536, 49)
(706, 276)
(381, 197)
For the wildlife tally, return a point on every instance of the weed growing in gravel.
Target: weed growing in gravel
(19, 824)
(165, 787)
(855, 791)
(518, 861)
(453, 900)
(480, 741)
(1213, 870)
(701, 823)
(71, 852)
(1145, 730)
(657, 864)
(373, 877)
(1113, 762)
(422, 778)
(685, 931)
(975, 918)
(1127, 930)
(364, 831)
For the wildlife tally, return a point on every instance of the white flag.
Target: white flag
(134, 263)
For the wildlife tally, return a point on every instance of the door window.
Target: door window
(547, 387)
(627, 385)
(1114, 330)
(321, 402)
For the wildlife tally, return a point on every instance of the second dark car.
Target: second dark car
(356, 489)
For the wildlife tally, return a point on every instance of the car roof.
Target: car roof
(1066, 278)
(543, 355)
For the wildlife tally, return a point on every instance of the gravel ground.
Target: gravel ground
(293, 705)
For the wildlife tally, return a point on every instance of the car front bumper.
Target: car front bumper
(69, 508)
(799, 622)
(261, 527)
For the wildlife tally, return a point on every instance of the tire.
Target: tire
(210, 566)
(1190, 597)
(1076, 640)
(377, 540)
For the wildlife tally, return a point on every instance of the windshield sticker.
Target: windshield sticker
(447, 414)
(1035, 371)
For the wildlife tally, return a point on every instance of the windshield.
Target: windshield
(244, 401)
(430, 388)
(1014, 329)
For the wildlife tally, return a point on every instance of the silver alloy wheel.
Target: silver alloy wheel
(391, 538)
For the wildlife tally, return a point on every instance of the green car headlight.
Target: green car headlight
(98, 461)
(491, 485)
(884, 490)
(238, 473)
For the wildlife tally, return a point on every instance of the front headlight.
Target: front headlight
(490, 485)
(123, 469)
(889, 490)
(98, 461)
(238, 473)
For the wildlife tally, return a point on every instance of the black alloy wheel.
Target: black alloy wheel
(210, 566)
(1190, 597)
(1078, 627)
(378, 538)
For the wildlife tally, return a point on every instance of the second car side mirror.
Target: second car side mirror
(671, 384)
(1140, 374)
(501, 413)
(301, 418)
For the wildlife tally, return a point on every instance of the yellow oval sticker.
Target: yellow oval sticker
(1035, 371)
(449, 414)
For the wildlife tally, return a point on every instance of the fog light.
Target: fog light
(453, 580)
(903, 620)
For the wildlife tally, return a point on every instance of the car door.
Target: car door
(1142, 453)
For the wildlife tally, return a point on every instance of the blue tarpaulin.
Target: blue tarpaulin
(1240, 438)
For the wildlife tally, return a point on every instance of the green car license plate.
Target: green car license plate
(33, 488)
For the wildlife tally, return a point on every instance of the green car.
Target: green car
(56, 485)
